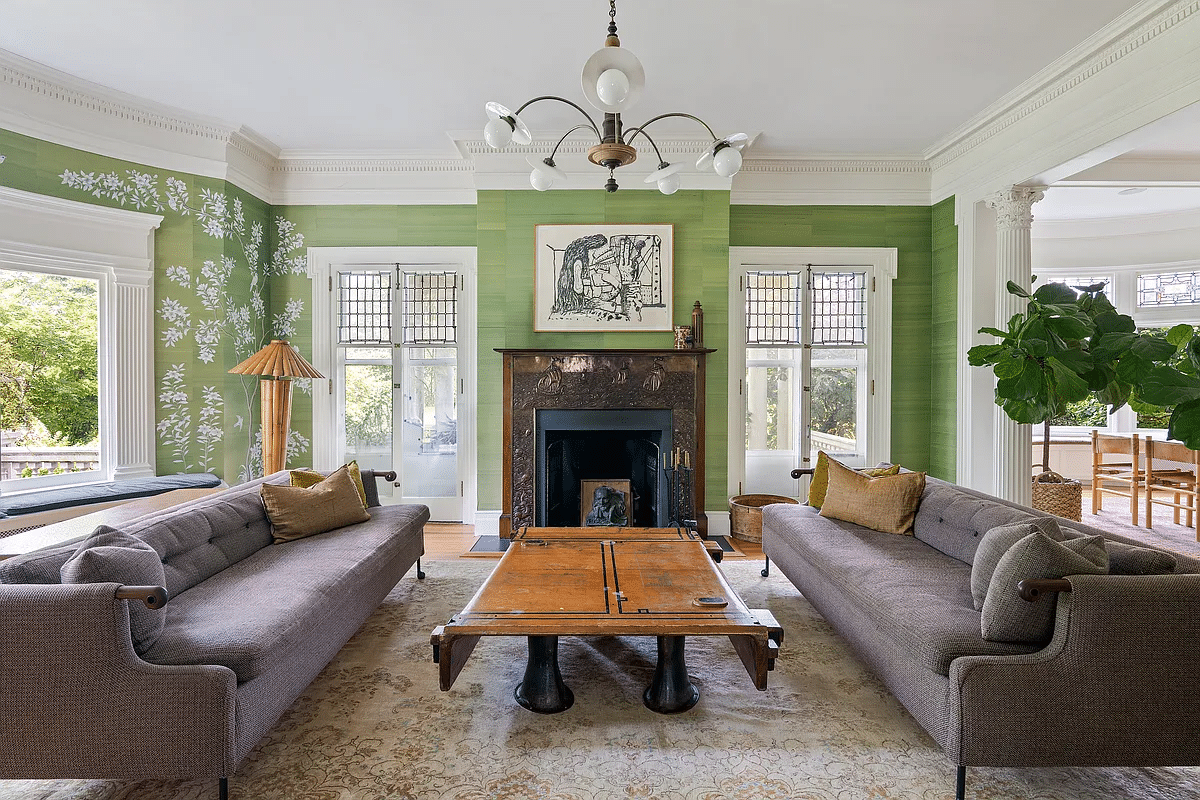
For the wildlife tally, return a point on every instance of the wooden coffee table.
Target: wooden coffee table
(554, 582)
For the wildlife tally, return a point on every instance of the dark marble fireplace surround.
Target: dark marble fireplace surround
(636, 401)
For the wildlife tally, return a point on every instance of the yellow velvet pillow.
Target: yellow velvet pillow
(307, 478)
(820, 481)
(296, 512)
(887, 503)
(820, 478)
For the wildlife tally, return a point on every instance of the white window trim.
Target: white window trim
(114, 247)
(1124, 297)
(323, 262)
(882, 265)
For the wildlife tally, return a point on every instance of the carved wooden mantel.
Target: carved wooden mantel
(595, 379)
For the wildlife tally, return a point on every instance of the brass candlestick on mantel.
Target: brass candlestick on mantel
(279, 363)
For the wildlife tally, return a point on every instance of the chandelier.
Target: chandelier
(613, 80)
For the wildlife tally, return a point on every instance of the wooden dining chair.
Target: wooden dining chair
(1171, 474)
(1116, 469)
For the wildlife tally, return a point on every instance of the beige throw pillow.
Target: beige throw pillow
(296, 512)
(306, 478)
(887, 503)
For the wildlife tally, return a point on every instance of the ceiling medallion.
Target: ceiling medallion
(613, 80)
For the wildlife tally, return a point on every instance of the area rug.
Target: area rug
(374, 724)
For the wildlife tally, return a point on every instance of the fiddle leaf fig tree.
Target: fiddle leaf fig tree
(1068, 345)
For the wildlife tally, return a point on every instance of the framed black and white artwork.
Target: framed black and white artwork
(602, 278)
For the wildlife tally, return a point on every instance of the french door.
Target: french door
(806, 369)
(399, 384)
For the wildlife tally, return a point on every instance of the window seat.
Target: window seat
(110, 492)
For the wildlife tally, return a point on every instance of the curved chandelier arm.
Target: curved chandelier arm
(641, 132)
(640, 128)
(578, 127)
(591, 123)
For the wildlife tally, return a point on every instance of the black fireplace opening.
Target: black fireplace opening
(577, 448)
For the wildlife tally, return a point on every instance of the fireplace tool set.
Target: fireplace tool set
(677, 466)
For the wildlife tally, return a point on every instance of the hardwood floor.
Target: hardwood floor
(447, 541)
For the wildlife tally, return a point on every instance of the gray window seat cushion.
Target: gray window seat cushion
(110, 491)
(253, 615)
(919, 597)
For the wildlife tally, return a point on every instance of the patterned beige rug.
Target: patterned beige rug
(374, 725)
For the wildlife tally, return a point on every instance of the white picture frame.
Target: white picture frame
(603, 277)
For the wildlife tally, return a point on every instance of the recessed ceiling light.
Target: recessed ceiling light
(1133, 190)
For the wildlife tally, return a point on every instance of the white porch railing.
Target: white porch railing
(22, 462)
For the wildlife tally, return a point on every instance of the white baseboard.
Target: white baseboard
(718, 523)
(487, 523)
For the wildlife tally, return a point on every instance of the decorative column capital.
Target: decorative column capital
(1014, 206)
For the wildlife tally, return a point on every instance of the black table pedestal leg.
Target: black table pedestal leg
(671, 691)
(542, 690)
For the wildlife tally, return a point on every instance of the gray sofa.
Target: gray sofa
(1115, 686)
(248, 626)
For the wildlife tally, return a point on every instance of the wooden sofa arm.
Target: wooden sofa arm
(799, 473)
(152, 596)
(1032, 589)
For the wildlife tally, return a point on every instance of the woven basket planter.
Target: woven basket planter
(1057, 495)
(745, 514)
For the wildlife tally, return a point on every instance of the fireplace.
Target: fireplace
(572, 416)
(600, 445)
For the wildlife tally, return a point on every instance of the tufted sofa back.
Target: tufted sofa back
(195, 540)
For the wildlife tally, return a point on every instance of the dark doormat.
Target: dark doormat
(489, 544)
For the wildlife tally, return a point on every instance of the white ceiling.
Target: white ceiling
(816, 77)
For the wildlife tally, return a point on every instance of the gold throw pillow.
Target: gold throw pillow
(820, 477)
(297, 512)
(887, 503)
(306, 478)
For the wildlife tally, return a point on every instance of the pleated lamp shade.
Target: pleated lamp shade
(277, 360)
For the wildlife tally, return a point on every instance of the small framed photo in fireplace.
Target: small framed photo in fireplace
(602, 277)
(604, 502)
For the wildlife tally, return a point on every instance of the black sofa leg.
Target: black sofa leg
(766, 570)
(223, 788)
(960, 784)
(420, 572)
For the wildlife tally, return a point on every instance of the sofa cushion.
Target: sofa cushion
(916, 596)
(819, 483)
(995, 543)
(953, 520)
(112, 556)
(296, 512)
(253, 616)
(1008, 618)
(307, 478)
(1129, 559)
(884, 504)
(207, 535)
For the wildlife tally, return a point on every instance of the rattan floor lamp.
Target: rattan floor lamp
(278, 363)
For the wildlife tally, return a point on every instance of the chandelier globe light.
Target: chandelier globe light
(612, 80)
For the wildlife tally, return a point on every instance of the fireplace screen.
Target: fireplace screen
(581, 451)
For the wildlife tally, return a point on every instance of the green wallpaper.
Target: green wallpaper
(230, 274)
(506, 249)
(909, 230)
(361, 226)
(214, 255)
(943, 441)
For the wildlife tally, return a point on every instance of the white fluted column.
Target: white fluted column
(1014, 442)
(133, 374)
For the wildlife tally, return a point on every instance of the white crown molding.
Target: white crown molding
(371, 178)
(1114, 227)
(1140, 170)
(1135, 70)
(833, 180)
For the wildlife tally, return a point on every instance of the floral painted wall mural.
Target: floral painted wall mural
(212, 311)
